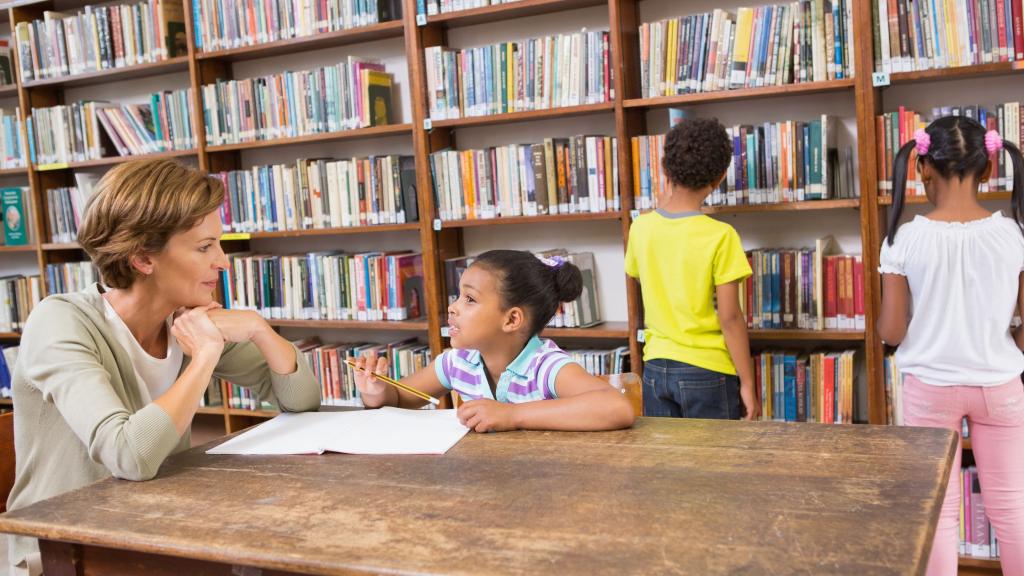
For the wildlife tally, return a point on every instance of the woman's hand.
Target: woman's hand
(238, 325)
(196, 332)
(372, 389)
(487, 416)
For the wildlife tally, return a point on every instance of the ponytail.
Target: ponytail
(1017, 197)
(899, 188)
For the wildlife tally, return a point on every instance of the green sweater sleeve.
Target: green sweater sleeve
(62, 359)
(244, 364)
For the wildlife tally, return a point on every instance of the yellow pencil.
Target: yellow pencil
(396, 384)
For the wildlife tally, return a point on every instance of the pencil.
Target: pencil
(397, 384)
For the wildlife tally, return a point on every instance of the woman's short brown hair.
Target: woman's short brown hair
(136, 208)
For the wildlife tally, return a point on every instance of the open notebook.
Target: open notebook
(383, 431)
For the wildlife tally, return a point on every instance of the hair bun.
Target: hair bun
(568, 282)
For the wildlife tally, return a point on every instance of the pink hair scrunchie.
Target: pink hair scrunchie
(923, 140)
(993, 142)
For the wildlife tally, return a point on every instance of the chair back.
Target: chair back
(629, 384)
(6, 458)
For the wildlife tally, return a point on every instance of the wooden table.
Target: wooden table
(668, 496)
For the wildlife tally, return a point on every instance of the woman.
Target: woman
(108, 379)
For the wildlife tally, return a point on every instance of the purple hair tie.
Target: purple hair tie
(993, 142)
(923, 142)
(554, 261)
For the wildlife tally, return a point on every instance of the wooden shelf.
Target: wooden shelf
(985, 196)
(169, 66)
(563, 112)
(957, 73)
(411, 226)
(56, 247)
(10, 335)
(987, 563)
(407, 326)
(966, 443)
(253, 413)
(11, 90)
(357, 134)
(808, 335)
(742, 94)
(6, 402)
(28, 248)
(501, 12)
(14, 172)
(784, 206)
(604, 331)
(381, 31)
(113, 160)
(217, 410)
(583, 216)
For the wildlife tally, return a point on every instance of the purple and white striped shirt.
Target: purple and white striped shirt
(531, 376)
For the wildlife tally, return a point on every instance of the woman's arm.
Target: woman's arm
(894, 317)
(584, 403)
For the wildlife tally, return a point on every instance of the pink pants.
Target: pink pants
(995, 416)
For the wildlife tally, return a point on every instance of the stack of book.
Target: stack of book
(807, 289)
(372, 286)
(535, 74)
(224, 24)
(320, 193)
(775, 162)
(816, 387)
(100, 38)
(805, 41)
(18, 295)
(558, 176)
(894, 129)
(348, 95)
(913, 35)
(337, 383)
(977, 535)
(70, 277)
(73, 133)
(583, 312)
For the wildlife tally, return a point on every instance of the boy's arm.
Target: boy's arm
(584, 403)
(894, 317)
(734, 329)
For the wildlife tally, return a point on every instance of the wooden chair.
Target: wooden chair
(6, 457)
(629, 384)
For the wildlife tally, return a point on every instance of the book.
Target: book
(6, 69)
(18, 296)
(807, 387)
(377, 95)
(14, 205)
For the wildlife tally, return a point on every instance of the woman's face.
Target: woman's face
(187, 271)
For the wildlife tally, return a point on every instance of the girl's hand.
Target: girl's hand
(237, 325)
(751, 403)
(369, 386)
(487, 416)
(196, 332)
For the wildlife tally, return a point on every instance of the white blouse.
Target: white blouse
(964, 278)
(155, 375)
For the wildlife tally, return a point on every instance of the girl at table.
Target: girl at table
(108, 379)
(511, 378)
(952, 281)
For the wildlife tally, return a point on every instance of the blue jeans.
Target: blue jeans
(679, 390)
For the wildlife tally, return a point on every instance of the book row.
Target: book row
(70, 277)
(805, 41)
(772, 163)
(557, 176)
(100, 38)
(92, 130)
(226, 24)
(816, 387)
(18, 295)
(807, 289)
(917, 35)
(348, 95)
(320, 193)
(372, 286)
(534, 74)
(583, 312)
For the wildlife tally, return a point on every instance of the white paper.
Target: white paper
(384, 431)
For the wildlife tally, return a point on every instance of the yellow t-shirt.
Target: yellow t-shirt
(679, 259)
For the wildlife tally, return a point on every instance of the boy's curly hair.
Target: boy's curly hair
(697, 152)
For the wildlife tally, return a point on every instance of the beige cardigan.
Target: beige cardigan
(79, 416)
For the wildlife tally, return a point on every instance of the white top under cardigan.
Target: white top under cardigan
(155, 375)
(964, 279)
